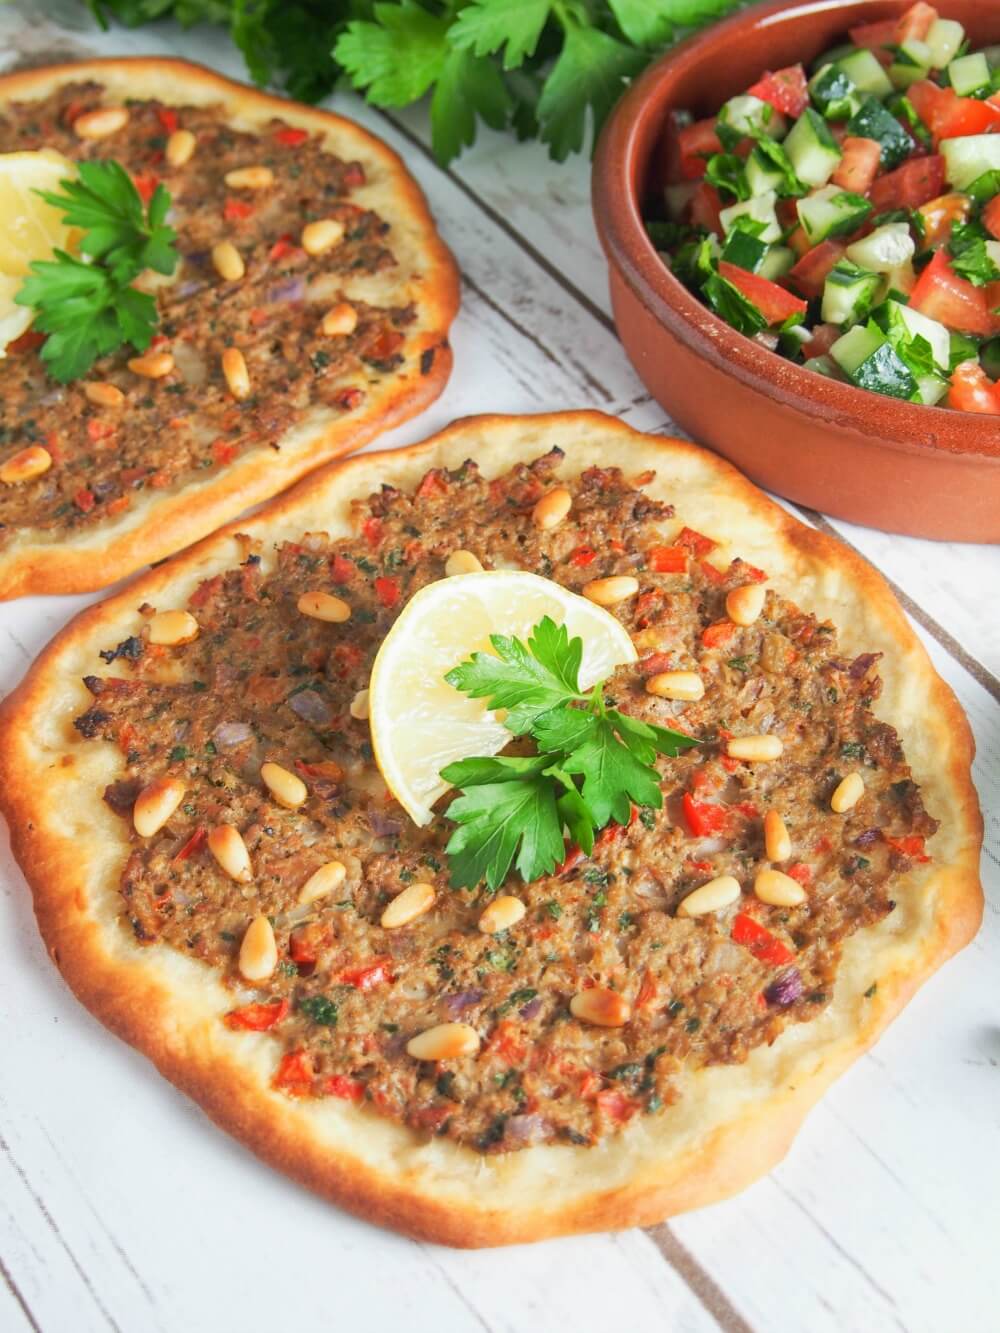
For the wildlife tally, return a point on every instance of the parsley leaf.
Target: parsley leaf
(467, 88)
(397, 56)
(970, 258)
(485, 26)
(499, 820)
(725, 172)
(613, 776)
(591, 73)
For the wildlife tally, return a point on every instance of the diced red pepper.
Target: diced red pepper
(193, 844)
(97, 429)
(223, 451)
(387, 591)
(702, 817)
(371, 530)
(972, 390)
(715, 636)
(295, 1074)
(506, 1042)
(668, 559)
(914, 183)
(655, 663)
(764, 946)
(613, 1103)
(859, 164)
(28, 342)
(342, 570)
(711, 572)
(257, 1017)
(282, 247)
(145, 183)
(801, 872)
(339, 1085)
(695, 542)
(376, 973)
(235, 210)
(573, 857)
(84, 500)
(291, 138)
(349, 399)
(387, 344)
(785, 90)
(912, 846)
(590, 1086)
(648, 989)
(990, 217)
(167, 117)
(433, 483)
(942, 295)
(774, 302)
(582, 556)
(354, 175)
(304, 943)
(697, 143)
(747, 809)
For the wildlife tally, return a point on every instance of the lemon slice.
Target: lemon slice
(29, 228)
(420, 723)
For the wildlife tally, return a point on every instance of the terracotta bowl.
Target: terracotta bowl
(927, 471)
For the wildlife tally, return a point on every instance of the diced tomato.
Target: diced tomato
(916, 23)
(295, 1074)
(193, 844)
(341, 570)
(909, 186)
(949, 116)
(801, 872)
(167, 117)
(282, 247)
(785, 90)
(764, 946)
(433, 483)
(942, 295)
(697, 142)
(667, 559)
(84, 500)
(376, 973)
(582, 556)
(990, 217)
(145, 183)
(912, 846)
(695, 542)
(702, 817)
(940, 215)
(387, 591)
(590, 1086)
(573, 857)
(291, 138)
(613, 1103)
(972, 390)
(809, 273)
(223, 451)
(773, 302)
(874, 35)
(371, 530)
(257, 1017)
(98, 429)
(339, 1085)
(822, 338)
(715, 636)
(235, 210)
(350, 398)
(859, 165)
(705, 207)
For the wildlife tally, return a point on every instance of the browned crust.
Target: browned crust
(112, 978)
(171, 520)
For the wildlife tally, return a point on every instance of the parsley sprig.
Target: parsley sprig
(592, 761)
(89, 309)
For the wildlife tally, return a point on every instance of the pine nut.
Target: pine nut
(100, 123)
(744, 605)
(249, 178)
(608, 592)
(180, 148)
(359, 706)
(102, 394)
(446, 1041)
(502, 913)
(287, 789)
(153, 366)
(676, 685)
(462, 562)
(778, 889)
(849, 792)
(258, 950)
(226, 844)
(756, 749)
(155, 804)
(710, 897)
(322, 882)
(603, 1008)
(324, 606)
(234, 367)
(25, 465)
(552, 508)
(228, 261)
(414, 901)
(320, 236)
(172, 628)
(339, 322)
(777, 843)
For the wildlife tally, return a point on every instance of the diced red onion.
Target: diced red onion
(383, 826)
(861, 665)
(290, 289)
(525, 1129)
(227, 735)
(457, 1004)
(311, 707)
(532, 1008)
(869, 836)
(786, 989)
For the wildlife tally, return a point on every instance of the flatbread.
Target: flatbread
(732, 1123)
(160, 522)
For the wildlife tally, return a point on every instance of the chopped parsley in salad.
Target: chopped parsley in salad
(848, 217)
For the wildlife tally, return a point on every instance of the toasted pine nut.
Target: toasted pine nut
(324, 606)
(414, 901)
(608, 592)
(226, 844)
(98, 124)
(153, 366)
(756, 749)
(25, 465)
(359, 706)
(258, 950)
(172, 628)
(849, 792)
(249, 178)
(502, 913)
(446, 1041)
(778, 889)
(340, 321)
(601, 1007)
(320, 236)
(744, 605)
(463, 562)
(323, 881)
(180, 148)
(103, 394)
(234, 367)
(287, 789)
(710, 897)
(552, 508)
(155, 804)
(777, 843)
(676, 685)
(228, 261)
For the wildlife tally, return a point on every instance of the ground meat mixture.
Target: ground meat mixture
(168, 430)
(264, 682)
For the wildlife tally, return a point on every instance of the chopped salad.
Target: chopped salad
(848, 216)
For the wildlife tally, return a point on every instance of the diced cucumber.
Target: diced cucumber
(870, 361)
(831, 211)
(898, 282)
(677, 197)
(759, 209)
(744, 250)
(865, 72)
(747, 114)
(969, 157)
(931, 389)
(776, 263)
(910, 323)
(969, 75)
(812, 149)
(913, 61)
(761, 174)
(943, 40)
(993, 250)
(883, 249)
(834, 93)
(824, 365)
(873, 121)
(848, 294)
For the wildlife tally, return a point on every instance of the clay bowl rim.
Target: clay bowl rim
(890, 422)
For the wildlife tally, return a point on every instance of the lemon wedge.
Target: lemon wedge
(420, 723)
(30, 228)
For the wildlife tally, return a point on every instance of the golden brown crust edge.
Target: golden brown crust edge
(165, 522)
(230, 1083)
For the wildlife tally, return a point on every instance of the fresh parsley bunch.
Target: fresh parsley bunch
(592, 763)
(90, 309)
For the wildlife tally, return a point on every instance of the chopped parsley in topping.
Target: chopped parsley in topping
(320, 1009)
(853, 750)
(871, 990)
(516, 999)
(554, 909)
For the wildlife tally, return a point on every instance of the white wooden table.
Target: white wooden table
(123, 1208)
